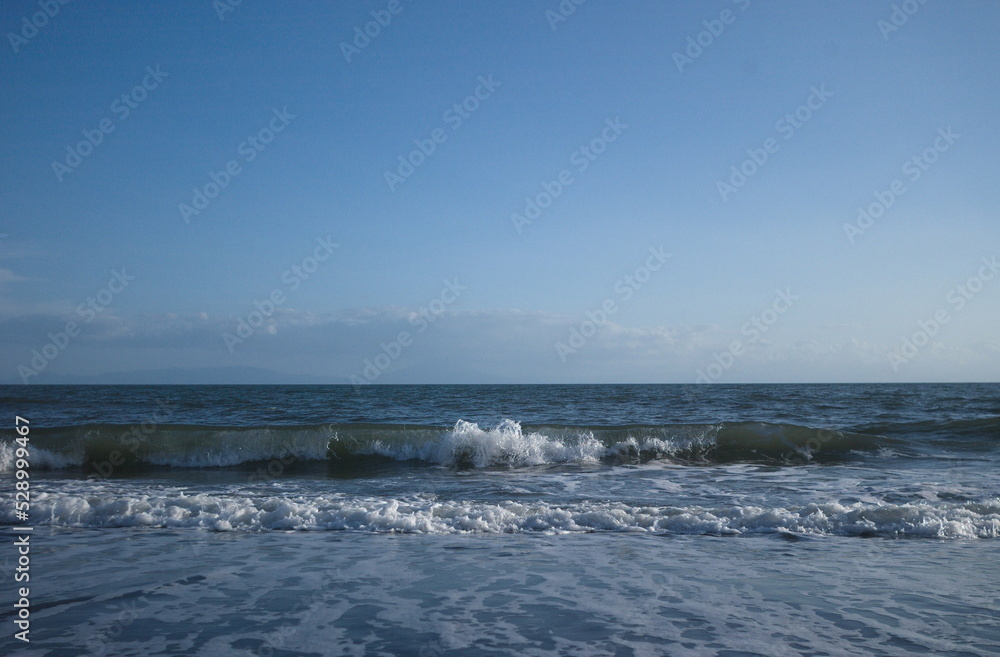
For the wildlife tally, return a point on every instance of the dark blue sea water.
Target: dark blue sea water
(536, 520)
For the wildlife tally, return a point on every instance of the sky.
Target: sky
(521, 192)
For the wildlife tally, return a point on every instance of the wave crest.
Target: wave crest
(103, 448)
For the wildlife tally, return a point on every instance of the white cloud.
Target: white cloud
(470, 345)
(7, 276)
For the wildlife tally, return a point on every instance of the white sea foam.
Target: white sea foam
(426, 514)
(37, 457)
(505, 445)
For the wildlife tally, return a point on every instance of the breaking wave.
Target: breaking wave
(465, 445)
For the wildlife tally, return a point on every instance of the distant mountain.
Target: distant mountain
(192, 376)
(434, 372)
(430, 372)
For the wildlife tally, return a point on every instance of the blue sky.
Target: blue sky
(685, 116)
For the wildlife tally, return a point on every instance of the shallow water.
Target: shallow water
(174, 592)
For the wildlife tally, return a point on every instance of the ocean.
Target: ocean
(727, 520)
